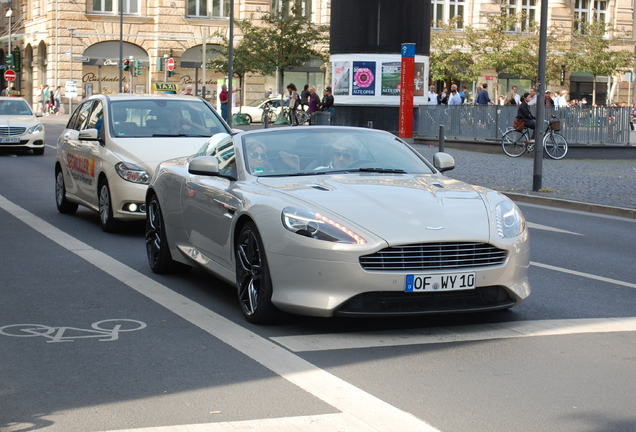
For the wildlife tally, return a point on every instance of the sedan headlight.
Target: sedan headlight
(510, 221)
(311, 224)
(35, 129)
(132, 173)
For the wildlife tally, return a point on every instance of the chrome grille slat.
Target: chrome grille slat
(12, 130)
(434, 256)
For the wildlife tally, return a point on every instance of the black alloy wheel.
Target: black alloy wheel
(157, 248)
(253, 280)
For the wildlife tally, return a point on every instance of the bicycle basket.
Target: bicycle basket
(555, 124)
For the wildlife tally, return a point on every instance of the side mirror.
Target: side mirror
(204, 165)
(443, 162)
(88, 135)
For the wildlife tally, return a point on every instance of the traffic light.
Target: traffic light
(8, 61)
(126, 65)
(171, 73)
(137, 67)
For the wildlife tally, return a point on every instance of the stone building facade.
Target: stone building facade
(79, 40)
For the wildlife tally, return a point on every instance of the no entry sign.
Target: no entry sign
(170, 64)
(9, 75)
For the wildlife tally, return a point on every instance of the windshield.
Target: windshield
(15, 107)
(163, 118)
(319, 150)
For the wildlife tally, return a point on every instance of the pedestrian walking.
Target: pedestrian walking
(483, 98)
(432, 96)
(294, 101)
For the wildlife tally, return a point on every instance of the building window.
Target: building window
(588, 11)
(528, 11)
(219, 8)
(283, 7)
(111, 6)
(442, 11)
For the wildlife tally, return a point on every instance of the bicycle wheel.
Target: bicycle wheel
(302, 116)
(555, 145)
(272, 116)
(513, 143)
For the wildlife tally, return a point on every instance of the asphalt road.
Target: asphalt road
(113, 346)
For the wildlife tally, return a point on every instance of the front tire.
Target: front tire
(106, 219)
(63, 205)
(513, 143)
(157, 247)
(555, 146)
(253, 281)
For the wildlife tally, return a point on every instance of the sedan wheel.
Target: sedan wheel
(63, 205)
(157, 247)
(106, 219)
(253, 281)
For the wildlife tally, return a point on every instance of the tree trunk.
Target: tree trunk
(593, 90)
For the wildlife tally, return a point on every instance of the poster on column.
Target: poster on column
(341, 72)
(391, 78)
(418, 81)
(363, 79)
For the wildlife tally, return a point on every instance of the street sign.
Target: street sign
(82, 59)
(629, 76)
(170, 64)
(9, 75)
(71, 89)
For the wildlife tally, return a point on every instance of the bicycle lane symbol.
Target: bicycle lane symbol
(101, 330)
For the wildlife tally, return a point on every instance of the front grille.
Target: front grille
(402, 303)
(434, 256)
(12, 130)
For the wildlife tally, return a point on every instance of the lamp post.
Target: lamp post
(9, 15)
(70, 99)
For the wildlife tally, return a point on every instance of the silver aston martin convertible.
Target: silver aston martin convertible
(341, 221)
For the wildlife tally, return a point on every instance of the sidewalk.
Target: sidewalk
(605, 186)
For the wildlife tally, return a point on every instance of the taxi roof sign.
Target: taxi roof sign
(164, 86)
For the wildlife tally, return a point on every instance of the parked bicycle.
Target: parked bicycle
(515, 143)
(301, 116)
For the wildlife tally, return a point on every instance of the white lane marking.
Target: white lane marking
(548, 228)
(373, 412)
(321, 423)
(586, 275)
(468, 333)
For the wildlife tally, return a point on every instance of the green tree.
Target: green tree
(284, 40)
(495, 46)
(594, 51)
(450, 59)
(244, 61)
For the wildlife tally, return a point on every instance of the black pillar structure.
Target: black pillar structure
(376, 27)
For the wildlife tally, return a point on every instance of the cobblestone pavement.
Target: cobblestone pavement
(602, 182)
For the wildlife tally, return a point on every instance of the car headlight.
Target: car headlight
(132, 173)
(311, 224)
(510, 221)
(35, 129)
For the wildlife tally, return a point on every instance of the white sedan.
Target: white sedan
(254, 111)
(20, 128)
(112, 144)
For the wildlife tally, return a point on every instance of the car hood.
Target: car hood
(400, 209)
(149, 153)
(22, 120)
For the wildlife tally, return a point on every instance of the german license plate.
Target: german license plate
(9, 140)
(440, 282)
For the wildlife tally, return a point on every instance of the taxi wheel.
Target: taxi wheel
(63, 205)
(248, 119)
(157, 248)
(106, 219)
(253, 280)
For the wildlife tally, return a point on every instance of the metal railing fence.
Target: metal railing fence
(585, 126)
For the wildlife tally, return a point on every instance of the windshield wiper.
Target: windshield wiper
(382, 170)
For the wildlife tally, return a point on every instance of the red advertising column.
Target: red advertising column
(406, 91)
